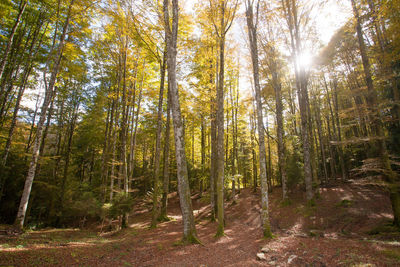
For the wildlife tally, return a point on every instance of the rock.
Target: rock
(291, 258)
(301, 235)
(265, 249)
(272, 263)
(289, 232)
(261, 257)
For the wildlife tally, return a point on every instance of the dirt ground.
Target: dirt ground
(349, 225)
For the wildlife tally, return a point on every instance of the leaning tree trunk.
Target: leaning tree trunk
(252, 30)
(189, 229)
(19, 221)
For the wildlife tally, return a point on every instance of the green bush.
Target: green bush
(122, 203)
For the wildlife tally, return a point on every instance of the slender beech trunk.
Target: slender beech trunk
(164, 200)
(213, 165)
(189, 229)
(123, 134)
(74, 117)
(157, 154)
(320, 136)
(132, 157)
(253, 152)
(19, 221)
(234, 145)
(252, 31)
(280, 131)
(203, 152)
(290, 9)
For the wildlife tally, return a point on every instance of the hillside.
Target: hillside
(347, 226)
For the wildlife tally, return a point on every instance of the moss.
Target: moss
(188, 240)
(267, 232)
(191, 239)
(382, 229)
(286, 203)
(311, 203)
(306, 211)
(220, 231)
(392, 253)
(163, 218)
(345, 203)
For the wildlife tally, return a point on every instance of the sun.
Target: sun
(305, 60)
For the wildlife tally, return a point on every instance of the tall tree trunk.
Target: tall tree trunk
(189, 229)
(252, 31)
(253, 152)
(164, 201)
(213, 164)
(123, 133)
(157, 155)
(136, 118)
(290, 9)
(280, 132)
(74, 116)
(203, 152)
(233, 162)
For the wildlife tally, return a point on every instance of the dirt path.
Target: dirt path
(332, 233)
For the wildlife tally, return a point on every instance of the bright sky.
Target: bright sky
(327, 21)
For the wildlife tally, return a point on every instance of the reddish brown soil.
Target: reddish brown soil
(331, 233)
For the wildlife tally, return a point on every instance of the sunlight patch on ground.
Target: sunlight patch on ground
(75, 244)
(381, 215)
(175, 217)
(139, 225)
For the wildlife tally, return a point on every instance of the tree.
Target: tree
(376, 122)
(225, 14)
(19, 221)
(189, 229)
(252, 23)
(293, 19)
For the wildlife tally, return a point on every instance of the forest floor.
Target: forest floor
(348, 226)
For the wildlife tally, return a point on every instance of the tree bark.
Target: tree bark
(252, 31)
(157, 155)
(189, 229)
(164, 201)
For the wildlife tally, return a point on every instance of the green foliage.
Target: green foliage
(294, 169)
(121, 204)
(392, 253)
(345, 203)
(86, 205)
(384, 229)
